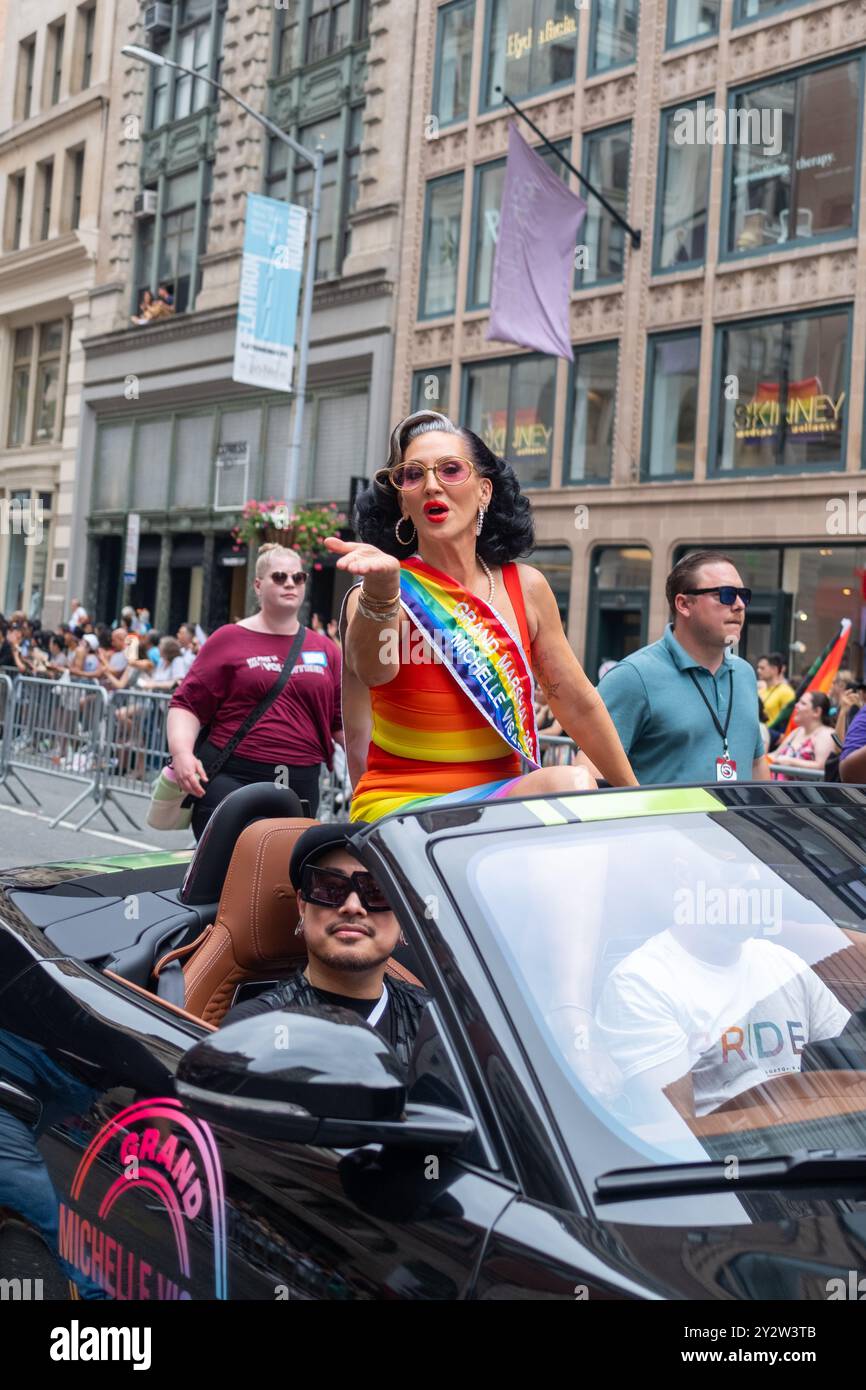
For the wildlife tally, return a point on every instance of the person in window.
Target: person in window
(144, 315)
(350, 933)
(705, 1011)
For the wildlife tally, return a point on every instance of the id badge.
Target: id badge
(726, 770)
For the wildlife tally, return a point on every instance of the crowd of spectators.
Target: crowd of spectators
(128, 654)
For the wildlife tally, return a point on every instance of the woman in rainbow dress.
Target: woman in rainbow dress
(449, 635)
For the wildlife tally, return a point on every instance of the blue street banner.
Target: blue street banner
(270, 287)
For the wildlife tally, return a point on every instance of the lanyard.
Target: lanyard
(723, 732)
(381, 1005)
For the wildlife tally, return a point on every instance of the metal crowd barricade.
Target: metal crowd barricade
(556, 750)
(5, 706)
(56, 728)
(335, 790)
(779, 772)
(136, 746)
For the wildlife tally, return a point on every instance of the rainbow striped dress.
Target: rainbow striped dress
(456, 723)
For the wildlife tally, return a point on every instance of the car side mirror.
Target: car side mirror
(310, 1076)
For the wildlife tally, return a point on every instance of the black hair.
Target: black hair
(682, 576)
(774, 659)
(821, 702)
(762, 713)
(508, 530)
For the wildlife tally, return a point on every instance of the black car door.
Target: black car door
(138, 1197)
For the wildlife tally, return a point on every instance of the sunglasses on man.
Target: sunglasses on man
(727, 594)
(283, 576)
(331, 888)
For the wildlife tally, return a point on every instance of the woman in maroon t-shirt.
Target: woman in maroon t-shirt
(233, 672)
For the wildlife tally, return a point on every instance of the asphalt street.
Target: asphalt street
(26, 836)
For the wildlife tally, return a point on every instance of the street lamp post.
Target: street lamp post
(316, 159)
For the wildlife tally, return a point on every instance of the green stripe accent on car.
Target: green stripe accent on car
(546, 812)
(154, 860)
(616, 805)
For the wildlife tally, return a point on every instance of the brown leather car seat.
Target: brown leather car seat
(253, 936)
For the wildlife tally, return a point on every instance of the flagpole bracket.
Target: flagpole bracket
(634, 232)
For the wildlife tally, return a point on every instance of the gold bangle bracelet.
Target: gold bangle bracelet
(379, 602)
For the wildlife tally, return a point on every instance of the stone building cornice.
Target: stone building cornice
(66, 112)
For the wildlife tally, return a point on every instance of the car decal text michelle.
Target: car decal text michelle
(162, 1151)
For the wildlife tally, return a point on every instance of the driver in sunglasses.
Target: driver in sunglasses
(350, 932)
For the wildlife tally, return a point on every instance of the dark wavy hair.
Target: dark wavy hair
(508, 530)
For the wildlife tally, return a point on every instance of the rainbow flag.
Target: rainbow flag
(820, 676)
(479, 650)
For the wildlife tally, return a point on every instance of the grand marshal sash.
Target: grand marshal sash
(481, 653)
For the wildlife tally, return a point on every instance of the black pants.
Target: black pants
(241, 772)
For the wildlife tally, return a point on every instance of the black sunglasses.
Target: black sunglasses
(727, 594)
(280, 577)
(331, 888)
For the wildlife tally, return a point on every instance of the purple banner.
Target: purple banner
(533, 271)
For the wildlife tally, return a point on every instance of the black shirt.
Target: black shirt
(262, 1005)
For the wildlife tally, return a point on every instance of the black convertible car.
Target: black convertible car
(641, 1074)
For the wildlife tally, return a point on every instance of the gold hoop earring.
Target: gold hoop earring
(397, 530)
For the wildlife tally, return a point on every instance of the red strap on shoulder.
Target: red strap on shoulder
(511, 576)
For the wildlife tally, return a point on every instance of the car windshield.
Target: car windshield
(699, 980)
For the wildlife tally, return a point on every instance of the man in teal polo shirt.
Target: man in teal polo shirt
(684, 707)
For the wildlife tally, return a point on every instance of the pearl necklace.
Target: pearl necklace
(490, 579)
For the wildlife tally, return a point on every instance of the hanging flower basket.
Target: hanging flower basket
(304, 530)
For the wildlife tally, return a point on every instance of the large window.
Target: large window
(441, 246)
(593, 408)
(168, 253)
(613, 35)
(193, 50)
(351, 175)
(22, 357)
(530, 47)
(42, 208)
(510, 405)
(26, 67)
(782, 394)
(792, 174)
(54, 70)
(328, 28)
(605, 162)
(672, 405)
(684, 186)
(486, 205)
(74, 185)
(431, 389)
(324, 135)
(692, 19)
(453, 61)
(14, 210)
(287, 37)
(49, 367)
(196, 43)
(87, 27)
(746, 10)
(334, 239)
(37, 374)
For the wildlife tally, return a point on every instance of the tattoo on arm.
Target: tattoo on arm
(549, 688)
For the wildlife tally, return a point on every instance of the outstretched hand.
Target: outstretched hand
(359, 558)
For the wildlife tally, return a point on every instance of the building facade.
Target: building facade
(159, 403)
(54, 60)
(717, 391)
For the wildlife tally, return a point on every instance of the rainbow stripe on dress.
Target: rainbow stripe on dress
(479, 650)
